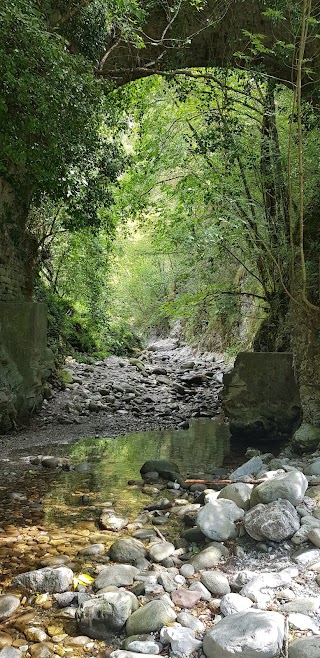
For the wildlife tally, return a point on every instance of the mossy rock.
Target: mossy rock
(65, 376)
(306, 438)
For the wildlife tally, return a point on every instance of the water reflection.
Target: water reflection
(105, 466)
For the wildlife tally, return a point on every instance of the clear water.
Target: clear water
(109, 463)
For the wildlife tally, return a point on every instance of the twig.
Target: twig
(159, 533)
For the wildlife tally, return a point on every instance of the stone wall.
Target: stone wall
(25, 360)
(260, 396)
(12, 278)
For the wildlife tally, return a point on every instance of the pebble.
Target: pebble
(8, 605)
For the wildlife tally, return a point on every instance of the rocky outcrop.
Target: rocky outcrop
(260, 396)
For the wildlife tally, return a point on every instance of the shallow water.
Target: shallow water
(51, 517)
(108, 464)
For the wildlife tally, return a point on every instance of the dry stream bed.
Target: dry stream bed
(211, 571)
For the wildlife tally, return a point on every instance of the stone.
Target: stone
(306, 438)
(306, 557)
(303, 605)
(150, 618)
(217, 520)
(144, 646)
(10, 652)
(187, 570)
(260, 396)
(190, 621)
(8, 605)
(45, 580)
(110, 521)
(185, 598)
(160, 551)
(248, 634)
(199, 587)
(65, 598)
(182, 640)
(251, 467)
(5, 640)
(276, 521)
(267, 580)
(239, 492)
(35, 634)
(106, 614)
(216, 582)
(306, 647)
(313, 468)
(209, 557)
(128, 551)
(289, 486)
(143, 637)
(165, 467)
(119, 575)
(302, 622)
(232, 603)
(167, 581)
(314, 536)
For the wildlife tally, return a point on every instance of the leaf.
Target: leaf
(82, 579)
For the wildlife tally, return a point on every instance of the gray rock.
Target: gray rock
(105, 614)
(303, 605)
(239, 492)
(275, 521)
(216, 582)
(129, 551)
(45, 580)
(119, 575)
(110, 521)
(160, 551)
(267, 580)
(289, 486)
(306, 438)
(187, 570)
(303, 622)
(232, 603)
(217, 520)
(182, 640)
(199, 587)
(10, 652)
(65, 598)
(314, 536)
(167, 581)
(305, 557)
(313, 468)
(209, 557)
(306, 647)
(190, 621)
(8, 605)
(249, 634)
(152, 617)
(144, 646)
(251, 467)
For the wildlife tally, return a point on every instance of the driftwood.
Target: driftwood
(223, 482)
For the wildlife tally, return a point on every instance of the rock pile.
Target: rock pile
(241, 575)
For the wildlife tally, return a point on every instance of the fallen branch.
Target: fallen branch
(224, 482)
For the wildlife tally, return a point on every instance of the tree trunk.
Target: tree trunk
(305, 344)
